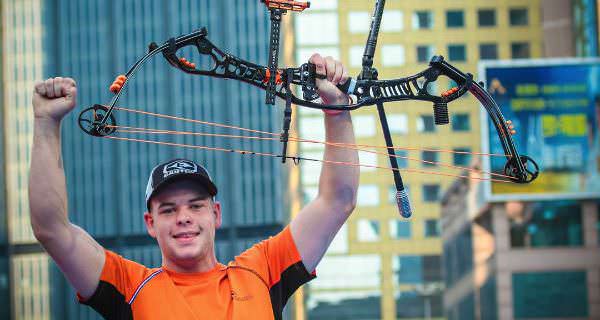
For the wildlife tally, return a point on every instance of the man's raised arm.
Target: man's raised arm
(317, 223)
(78, 255)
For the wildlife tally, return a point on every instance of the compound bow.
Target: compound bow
(366, 90)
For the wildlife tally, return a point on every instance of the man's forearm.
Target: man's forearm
(338, 183)
(47, 186)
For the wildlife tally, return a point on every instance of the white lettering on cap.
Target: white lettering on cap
(179, 166)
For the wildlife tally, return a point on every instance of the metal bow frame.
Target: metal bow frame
(365, 90)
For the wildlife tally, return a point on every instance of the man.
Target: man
(183, 216)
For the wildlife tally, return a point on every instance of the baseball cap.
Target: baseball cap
(177, 169)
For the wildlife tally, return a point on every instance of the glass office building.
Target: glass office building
(93, 42)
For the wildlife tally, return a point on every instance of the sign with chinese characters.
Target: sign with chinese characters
(555, 108)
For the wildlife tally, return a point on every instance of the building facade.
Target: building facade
(383, 266)
(516, 260)
(93, 42)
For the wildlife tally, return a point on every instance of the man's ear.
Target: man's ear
(217, 212)
(149, 220)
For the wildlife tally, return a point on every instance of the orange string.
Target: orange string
(335, 144)
(304, 140)
(323, 161)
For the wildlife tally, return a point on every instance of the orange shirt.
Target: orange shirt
(256, 285)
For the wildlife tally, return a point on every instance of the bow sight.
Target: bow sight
(366, 90)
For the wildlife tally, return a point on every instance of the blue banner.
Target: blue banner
(555, 109)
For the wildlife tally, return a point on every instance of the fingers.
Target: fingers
(319, 63)
(40, 88)
(345, 76)
(339, 71)
(329, 67)
(49, 83)
(56, 87)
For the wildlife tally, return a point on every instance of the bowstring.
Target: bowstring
(125, 129)
(297, 159)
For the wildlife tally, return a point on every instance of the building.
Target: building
(514, 260)
(382, 266)
(93, 42)
(526, 259)
(570, 28)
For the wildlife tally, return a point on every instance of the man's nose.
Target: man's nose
(183, 216)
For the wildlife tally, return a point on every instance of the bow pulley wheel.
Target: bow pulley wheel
(91, 121)
(530, 173)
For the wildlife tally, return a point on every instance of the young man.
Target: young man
(183, 216)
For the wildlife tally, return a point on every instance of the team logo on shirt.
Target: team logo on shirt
(237, 297)
(179, 166)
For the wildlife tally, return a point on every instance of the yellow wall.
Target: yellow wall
(439, 36)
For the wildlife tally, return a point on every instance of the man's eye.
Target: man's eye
(196, 206)
(170, 210)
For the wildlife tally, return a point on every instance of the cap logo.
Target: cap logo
(179, 166)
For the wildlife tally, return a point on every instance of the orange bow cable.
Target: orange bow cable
(196, 121)
(299, 158)
(305, 140)
(125, 129)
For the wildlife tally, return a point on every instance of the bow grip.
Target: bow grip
(309, 76)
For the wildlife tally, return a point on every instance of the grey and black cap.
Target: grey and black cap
(177, 169)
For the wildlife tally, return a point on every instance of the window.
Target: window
(402, 158)
(368, 159)
(559, 294)
(364, 126)
(314, 23)
(324, 5)
(400, 229)
(519, 50)
(431, 157)
(398, 123)
(460, 122)
(432, 228)
(392, 193)
(312, 128)
(518, 17)
(462, 159)
(488, 51)
(368, 195)
(356, 55)
(359, 21)
(412, 269)
(486, 17)
(425, 123)
(392, 55)
(422, 20)
(457, 52)
(455, 19)
(547, 224)
(431, 192)
(424, 53)
(368, 230)
(393, 21)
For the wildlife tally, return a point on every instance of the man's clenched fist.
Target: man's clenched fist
(54, 98)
